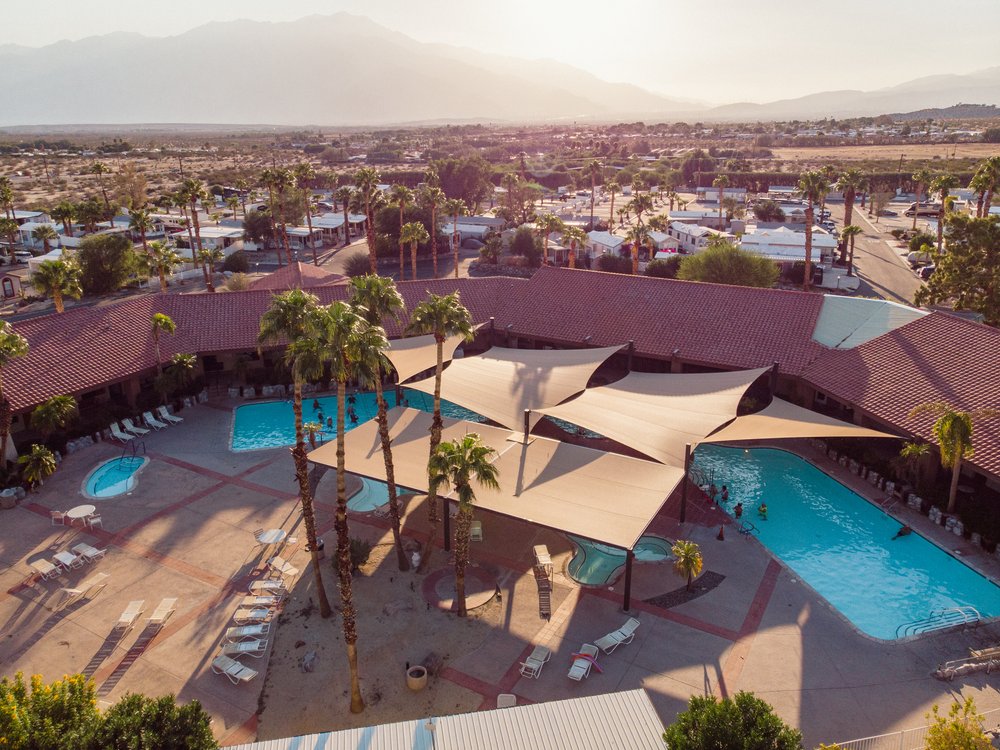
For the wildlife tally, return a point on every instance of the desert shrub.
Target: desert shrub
(664, 269)
(236, 263)
(357, 264)
(614, 263)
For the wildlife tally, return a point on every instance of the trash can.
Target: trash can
(416, 678)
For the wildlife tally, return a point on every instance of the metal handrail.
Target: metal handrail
(940, 618)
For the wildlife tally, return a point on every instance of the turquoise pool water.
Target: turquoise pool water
(271, 424)
(373, 494)
(114, 477)
(842, 545)
(597, 564)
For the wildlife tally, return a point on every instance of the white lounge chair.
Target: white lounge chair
(152, 421)
(117, 434)
(130, 615)
(68, 560)
(89, 553)
(162, 612)
(260, 601)
(583, 661)
(87, 589)
(44, 568)
(263, 588)
(280, 566)
(246, 615)
(616, 638)
(232, 669)
(254, 648)
(542, 558)
(166, 416)
(247, 631)
(128, 425)
(532, 666)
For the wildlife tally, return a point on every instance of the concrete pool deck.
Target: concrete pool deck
(186, 532)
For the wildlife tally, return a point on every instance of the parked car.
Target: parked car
(22, 256)
(917, 258)
(927, 271)
(887, 212)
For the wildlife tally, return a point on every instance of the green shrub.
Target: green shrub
(361, 550)
(664, 269)
(613, 263)
(236, 263)
(744, 722)
(357, 264)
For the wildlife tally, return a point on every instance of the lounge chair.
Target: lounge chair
(260, 601)
(532, 666)
(583, 661)
(162, 612)
(117, 434)
(616, 638)
(263, 588)
(152, 421)
(87, 589)
(232, 669)
(89, 553)
(138, 431)
(254, 648)
(44, 568)
(68, 560)
(283, 568)
(166, 416)
(247, 631)
(246, 615)
(130, 615)
(542, 558)
(506, 700)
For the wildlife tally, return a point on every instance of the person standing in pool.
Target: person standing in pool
(762, 511)
(738, 511)
(725, 494)
(316, 406)
(712, 492)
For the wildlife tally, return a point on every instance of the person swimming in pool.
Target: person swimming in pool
(316, 406)
(904, 530)
(762, 511)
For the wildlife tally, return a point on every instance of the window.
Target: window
(8, 288)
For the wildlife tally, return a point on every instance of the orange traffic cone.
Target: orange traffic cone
(722, 534)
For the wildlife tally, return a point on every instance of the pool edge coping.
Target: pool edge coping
(134, 476)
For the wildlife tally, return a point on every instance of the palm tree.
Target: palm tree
(432, 197)
(850, 232)
(57, 279)
(595, 169)
(44, 233)
(344, 196)
(414, 233)
(640, 204)
(721, 182)
(376, 298)
(812, 185)
(7, 197)
(209, 257)
(293, 316)
(350, 344)
(8, 229)
(38, 465)
(612, 187)
(140, 221)
(547, 225)
(283, 181)
(54, 414)
(367, 180)
(455, 207)
(687, 560)
(849, 183)
(100, 169)
(243, 186)
(161, 260)
(268, 178)
(12, 346)
(923, 178)
(638, 236)
(233, 204)
(160, 323)
(304, 175)
(444, 316)
(64, 213)
(401, 197)
(573, 236)
(942, 185)
(193, 191)
(953, 430)
(454, 463)
(991, 168)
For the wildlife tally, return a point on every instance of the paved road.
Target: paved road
(881, 267)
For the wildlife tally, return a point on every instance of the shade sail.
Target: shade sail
(501, 383)
(606, 497)
(657, 414)
(781, 419)
(418, 353)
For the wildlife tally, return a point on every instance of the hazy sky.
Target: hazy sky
(711, 50)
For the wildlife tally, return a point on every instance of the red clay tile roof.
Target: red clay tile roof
(711, 324)
(937, 358)
(298, 275)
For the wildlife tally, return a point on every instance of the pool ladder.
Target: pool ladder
(746, 528)
(134, 444)
(940, 618)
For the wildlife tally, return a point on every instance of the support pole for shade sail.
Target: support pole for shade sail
(631, 351)
(493, 331)
(773, 379)
(527, 424)
(684, 482)
(447, 523)
(627, 600)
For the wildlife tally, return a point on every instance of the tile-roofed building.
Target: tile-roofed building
(711, 324)
(298, 275)
(938, 357)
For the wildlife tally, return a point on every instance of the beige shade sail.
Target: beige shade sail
(606, 497)
(501, 383)
(658, 414)
(418, 353)
(781, 419)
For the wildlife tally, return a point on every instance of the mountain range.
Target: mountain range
(345, 69)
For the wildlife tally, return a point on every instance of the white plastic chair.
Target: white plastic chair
(93, 521)
(506, 700)
(58, 517)
(232, 669)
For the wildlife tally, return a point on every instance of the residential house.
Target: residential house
(227, 239)
(599, 243)
(783, 244)
(711, 194)
(691, 238)
(706, 217)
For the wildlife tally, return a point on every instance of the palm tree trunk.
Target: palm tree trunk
(956, 474)
(309, 221)
(916, 208)
(436, 427)
(850, 260)
(463, 525)
(197, 231)
(347, 227)
(390, 473)
(163, 280)
(274, 224)
(940, 227)
(434, 239)
(156, 349)
(454, 243)
(807, 278)
(635, 258)
(401, 251)
(145, 247)
(6, 416)
(413, 260)
(370, 236)
(305, 494)
(611, 215)
(58, 300)
(347, 612)
(572, 254)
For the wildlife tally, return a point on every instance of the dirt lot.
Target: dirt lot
(872, 153)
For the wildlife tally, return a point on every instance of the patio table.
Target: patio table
(80, 511)
(272, 536)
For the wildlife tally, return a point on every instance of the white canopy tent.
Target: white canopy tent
(502, 383)
(658, 414)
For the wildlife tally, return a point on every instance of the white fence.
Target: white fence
(909, 739)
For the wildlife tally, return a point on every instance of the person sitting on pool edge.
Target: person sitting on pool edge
(762, 511)
(904, 530)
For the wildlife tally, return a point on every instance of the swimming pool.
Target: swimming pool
(271, 424)
(596, 564)
(841, 544)
(373, 494)
(113, 477)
